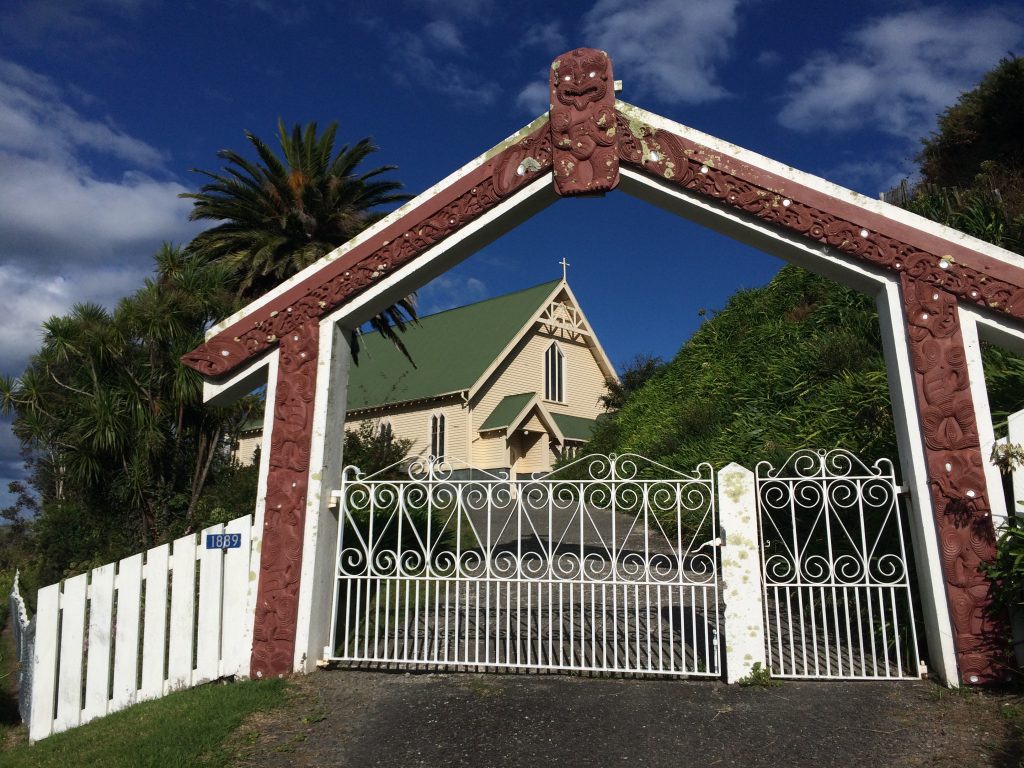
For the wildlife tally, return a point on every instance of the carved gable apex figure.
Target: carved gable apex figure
(583, 123)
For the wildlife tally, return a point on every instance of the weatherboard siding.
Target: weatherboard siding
(412, 422)
(489, 451)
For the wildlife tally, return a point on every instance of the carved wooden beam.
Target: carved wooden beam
(956, 475)
(277, 597)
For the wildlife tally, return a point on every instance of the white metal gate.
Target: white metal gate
(837, 592)
(606, 565)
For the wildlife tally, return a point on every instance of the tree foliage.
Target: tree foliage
(373, 450)
(793, 364)
(982, 130)
(121, 443)
(635, 373)
(278, 215)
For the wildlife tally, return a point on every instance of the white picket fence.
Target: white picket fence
(178, 616)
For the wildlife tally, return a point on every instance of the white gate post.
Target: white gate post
(741, 572)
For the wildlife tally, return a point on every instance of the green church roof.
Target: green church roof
(451, 350)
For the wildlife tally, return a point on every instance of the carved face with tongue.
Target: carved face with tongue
(581, 77)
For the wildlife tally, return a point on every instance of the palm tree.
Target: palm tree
(279, 215)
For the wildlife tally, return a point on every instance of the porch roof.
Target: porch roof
(574, 427)
(506, 411)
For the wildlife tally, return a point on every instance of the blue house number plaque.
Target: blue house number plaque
(223, 540)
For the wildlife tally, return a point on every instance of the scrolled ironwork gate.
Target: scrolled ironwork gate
(837, 590)
(606, 565)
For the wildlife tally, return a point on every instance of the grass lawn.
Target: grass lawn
(187, 728)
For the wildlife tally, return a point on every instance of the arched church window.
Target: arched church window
(554, 374)
(437, 435)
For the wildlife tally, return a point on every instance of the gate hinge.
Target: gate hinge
(335, 504)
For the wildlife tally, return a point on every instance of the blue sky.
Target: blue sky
(106, 106)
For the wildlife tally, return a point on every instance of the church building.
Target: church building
(507, 384)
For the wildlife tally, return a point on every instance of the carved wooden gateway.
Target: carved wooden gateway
(936, 289)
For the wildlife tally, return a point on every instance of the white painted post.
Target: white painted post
(72, 648)
(236, 636)
(210, 607)
(741, 572)
(126, 640)
(183, 595)
(313, 624)
(44, 662)
(982, 415)
(154, 630)
(931, 583)
(101, 614)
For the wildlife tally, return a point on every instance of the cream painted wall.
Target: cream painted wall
(536, 457)
(413, 423)
(245, 453)
(489, 451)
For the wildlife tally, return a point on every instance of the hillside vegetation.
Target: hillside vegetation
(795, 364)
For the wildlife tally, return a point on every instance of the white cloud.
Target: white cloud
(899, 71)
(444, 35)
(28, 299)
(535, 98)
(449, 291)
(419, 65)
(53, 22)
(872, 175)
(58, 214)
(11, 465)
(546, 36)
(35, 121)
(474, 9)
(69, 233)
(665, 49)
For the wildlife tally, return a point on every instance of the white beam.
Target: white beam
(982, 413)
(923, 531)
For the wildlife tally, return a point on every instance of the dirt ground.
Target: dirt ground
(356, 718)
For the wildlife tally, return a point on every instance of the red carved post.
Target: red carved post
(273, 647)
(955, 473)
(583, 131)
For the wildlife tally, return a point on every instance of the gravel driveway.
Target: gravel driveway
(356, 718)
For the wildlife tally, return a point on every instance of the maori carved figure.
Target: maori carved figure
(277, 598)
(955, 472)
(583, 129)
(436, 220)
